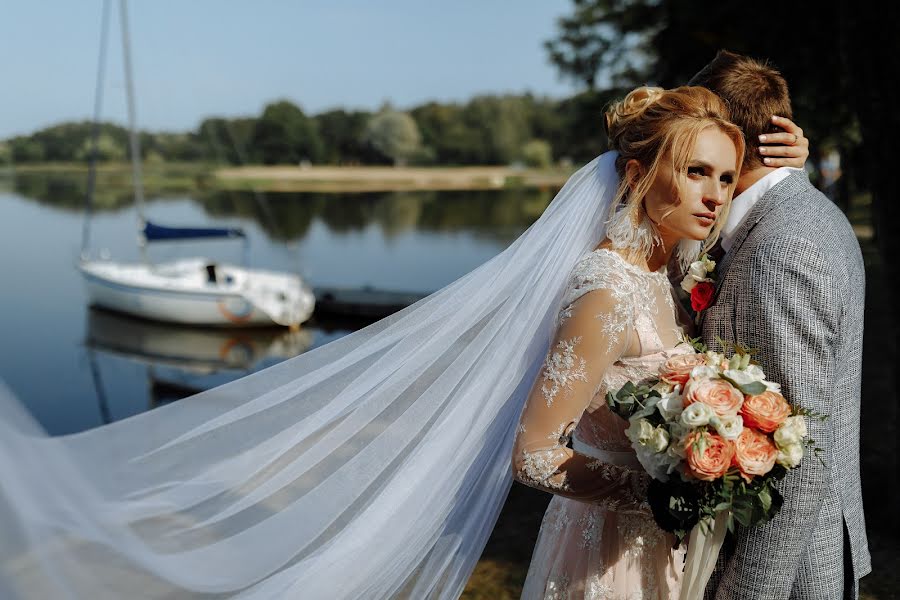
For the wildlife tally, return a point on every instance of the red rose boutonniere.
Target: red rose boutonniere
(700, 284)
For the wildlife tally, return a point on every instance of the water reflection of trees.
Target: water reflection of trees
(499, 215)
(67, 190)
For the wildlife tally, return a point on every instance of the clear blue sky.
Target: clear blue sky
(199, 58)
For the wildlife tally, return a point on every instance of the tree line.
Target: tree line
(487, 130)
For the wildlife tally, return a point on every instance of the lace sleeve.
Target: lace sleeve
(594, 332)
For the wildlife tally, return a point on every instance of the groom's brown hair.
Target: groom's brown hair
(753, 91)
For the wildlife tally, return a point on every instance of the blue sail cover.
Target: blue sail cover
(156, 233)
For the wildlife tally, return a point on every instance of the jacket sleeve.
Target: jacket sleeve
(593, 333)
(793, 319)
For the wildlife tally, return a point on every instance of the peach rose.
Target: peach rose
(708, 455)
(678, 369)
(766, 411)
(718, 394)
(754, 453)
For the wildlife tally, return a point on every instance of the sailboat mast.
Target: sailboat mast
(95, 131)
(132, 121)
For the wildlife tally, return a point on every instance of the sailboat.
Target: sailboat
(194, 291)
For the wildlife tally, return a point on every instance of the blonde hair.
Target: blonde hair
(651, 125)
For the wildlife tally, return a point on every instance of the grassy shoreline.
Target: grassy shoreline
(286, 178)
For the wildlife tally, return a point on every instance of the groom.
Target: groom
(791, 284)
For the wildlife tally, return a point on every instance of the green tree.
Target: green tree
(537, 153)
(598, 40)
(394, 134)
(108, 148)
(25, 149)
(227, 140)
(503, 127)
(444, 130)
(343, 136)
(665, 42)
(284, 134)
(179, 147)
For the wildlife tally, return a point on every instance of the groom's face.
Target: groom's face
(686, 205)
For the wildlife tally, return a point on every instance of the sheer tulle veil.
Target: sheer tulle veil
(372, 467)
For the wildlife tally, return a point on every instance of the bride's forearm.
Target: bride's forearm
(560, 470)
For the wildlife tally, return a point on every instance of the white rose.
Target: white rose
(714, 359)
(657, 464)
(790, 456)
(791, 432)
(729, 426)
(772, 386)
(741, 377)
(756, 372)
(671, 404)
(704, 373)
(696, 415)
(660, 439)
(640, 431)
(697, 270)
(688, 283)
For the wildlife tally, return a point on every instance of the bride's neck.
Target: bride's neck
(661, 254)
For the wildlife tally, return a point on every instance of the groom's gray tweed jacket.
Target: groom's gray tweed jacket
(792, 285)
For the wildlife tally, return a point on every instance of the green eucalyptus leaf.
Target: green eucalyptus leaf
(744, 516)
(777, 500)
(751, 389)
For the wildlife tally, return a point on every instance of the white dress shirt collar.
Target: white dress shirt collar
(743, 202)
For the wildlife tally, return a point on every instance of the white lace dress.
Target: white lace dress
(598, 538)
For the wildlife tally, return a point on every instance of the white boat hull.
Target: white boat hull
(180, 292)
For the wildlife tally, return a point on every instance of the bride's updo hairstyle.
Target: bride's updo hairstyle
(652, 125)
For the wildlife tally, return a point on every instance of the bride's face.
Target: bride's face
(704, 187)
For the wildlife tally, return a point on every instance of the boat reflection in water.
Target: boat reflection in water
(189, 353)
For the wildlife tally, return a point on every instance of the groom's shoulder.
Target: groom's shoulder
(802, 212)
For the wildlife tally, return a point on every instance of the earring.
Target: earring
(631, 230)
(686, 252)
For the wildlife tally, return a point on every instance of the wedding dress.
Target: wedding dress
(372, 467)
(598, 539)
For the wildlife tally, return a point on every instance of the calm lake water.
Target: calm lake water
(76, 368)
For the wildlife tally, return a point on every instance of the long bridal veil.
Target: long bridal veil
(372, 467)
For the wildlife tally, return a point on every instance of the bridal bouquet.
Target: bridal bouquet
(714, 435)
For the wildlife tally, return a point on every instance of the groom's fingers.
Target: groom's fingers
(788, 148)
(782, 151)
(789, 157)
(789, 126)
(783, 138)
(784, 156)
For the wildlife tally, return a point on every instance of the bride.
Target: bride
(376, 466)
(678, 162)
